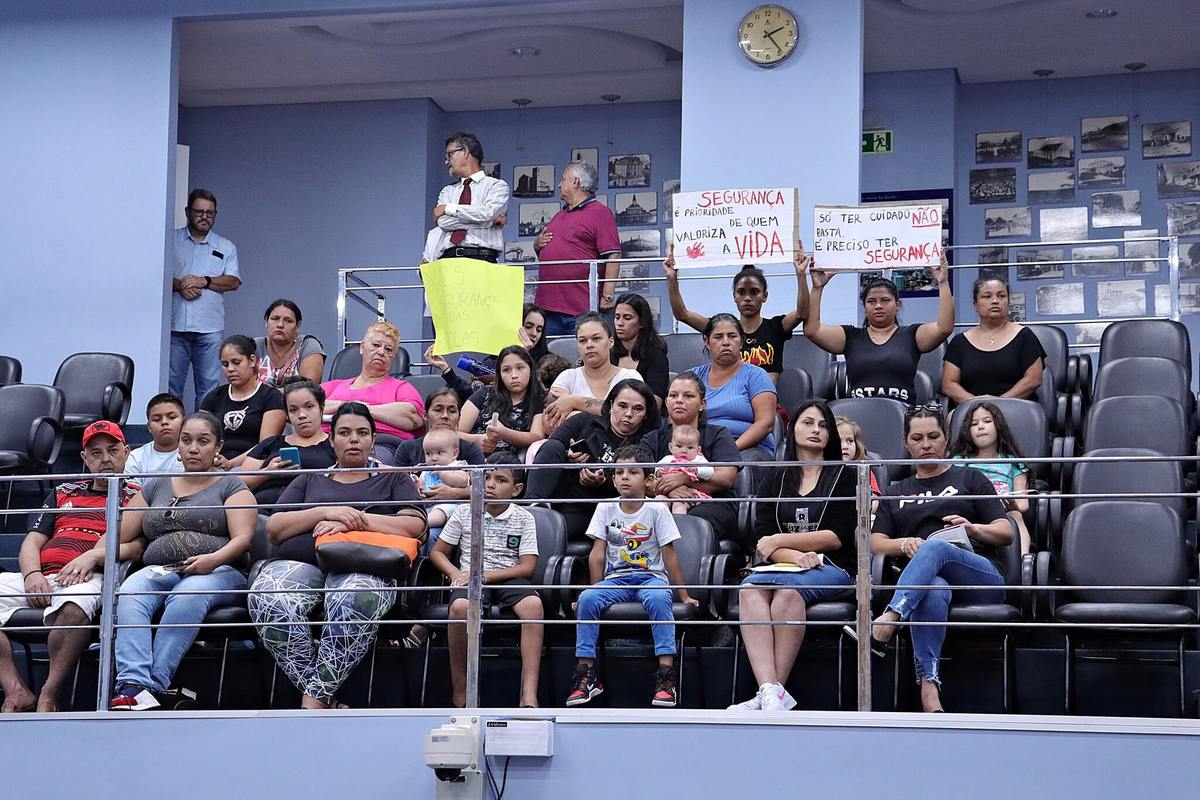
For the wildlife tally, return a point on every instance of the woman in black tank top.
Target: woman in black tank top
(882, 355)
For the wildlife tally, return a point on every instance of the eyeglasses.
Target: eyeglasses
(932, 408)
(208, 212)
(450, 153)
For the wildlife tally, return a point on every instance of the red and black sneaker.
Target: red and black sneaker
(664, 687)
(586, 686)
(131, 697)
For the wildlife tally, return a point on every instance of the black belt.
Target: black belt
(483, 253)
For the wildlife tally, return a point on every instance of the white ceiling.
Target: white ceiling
(461, 58)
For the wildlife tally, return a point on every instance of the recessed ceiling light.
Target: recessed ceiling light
(525, 50)
(1101, 13)
(1043, 73)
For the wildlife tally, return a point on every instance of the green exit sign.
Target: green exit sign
(877, 141)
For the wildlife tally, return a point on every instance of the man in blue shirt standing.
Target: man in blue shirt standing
(206, 266)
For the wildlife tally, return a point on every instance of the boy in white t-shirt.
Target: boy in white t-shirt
(164, 418)
(632, 556)
(510, 554)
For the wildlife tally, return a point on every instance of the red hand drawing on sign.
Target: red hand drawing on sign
(695, 250)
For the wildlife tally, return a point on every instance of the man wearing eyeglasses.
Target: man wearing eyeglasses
(206, 266)
(471, 212)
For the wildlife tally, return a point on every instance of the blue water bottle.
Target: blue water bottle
(474, 366)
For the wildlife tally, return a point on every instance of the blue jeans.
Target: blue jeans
(942, 564)
(559, 324)
(149, 657)
(200, 352)
(609, 591)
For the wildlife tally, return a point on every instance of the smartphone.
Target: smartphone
(581, 447)
(291, 454)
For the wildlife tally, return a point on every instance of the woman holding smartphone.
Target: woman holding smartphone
(306, 447)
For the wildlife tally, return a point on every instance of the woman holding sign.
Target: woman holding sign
(881, 356)
(762, 340)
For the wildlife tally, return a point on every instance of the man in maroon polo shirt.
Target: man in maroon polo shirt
(584, 229)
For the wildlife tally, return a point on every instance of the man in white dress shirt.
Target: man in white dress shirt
(471, 212)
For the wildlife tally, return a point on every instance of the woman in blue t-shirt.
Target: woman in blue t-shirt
(882, 355)
(738, 396)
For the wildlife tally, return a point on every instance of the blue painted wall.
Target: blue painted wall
(919, 108)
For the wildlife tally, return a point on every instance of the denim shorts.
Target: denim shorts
(814, 585)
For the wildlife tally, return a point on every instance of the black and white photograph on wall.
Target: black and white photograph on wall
(1178, 178)
(1189, 298)
(1063, 224)
(1090, 332)
(533, 181)
(640, 244)
(655, 310)
(588, 155)
(1103, 134)
(1189, 259)
(629, 171)
(1116, 209)
(632, 277)
(993, 185)
(1166, 139)
(1140, 255)
(534, 217)
(1016, 306)
(519, 253)
(1102, 172)
(1162, 299)
(997, 146)
(992, 273)
(993, 255)
(1057, 186)
(670, 189)
(1121, 298)
(1106, 256)
(1051, 151)
(1059, 299)
(1039, 264)
(1183, 219)
(491, 169)
(1002, 222)
(637, 208)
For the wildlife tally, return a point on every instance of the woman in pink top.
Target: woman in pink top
(396, 406)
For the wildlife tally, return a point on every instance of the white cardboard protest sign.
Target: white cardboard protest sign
(877, 237)
(734, 226)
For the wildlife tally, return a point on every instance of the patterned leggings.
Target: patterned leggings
(319, 668)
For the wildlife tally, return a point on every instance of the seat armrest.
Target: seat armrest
(45, 438)
(724, 573)
(1044, 576)
(1054, 530)
(1068, 471)
(1054, 474)
(1062, 414)
(1028, 599)
(1085, 378)
(115, 403)
(573, 572)
(1040, 506)
(1077, 414)
(1072, 384)
(552, 597)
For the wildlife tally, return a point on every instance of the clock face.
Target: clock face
(767, 35)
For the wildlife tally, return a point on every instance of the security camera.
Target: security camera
(452, 751)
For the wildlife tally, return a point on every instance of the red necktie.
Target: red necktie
(464, 199)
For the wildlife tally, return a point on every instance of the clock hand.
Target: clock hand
(769, 34)
(772, 38)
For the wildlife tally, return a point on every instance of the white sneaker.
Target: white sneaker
(753, 704)
(776, 698)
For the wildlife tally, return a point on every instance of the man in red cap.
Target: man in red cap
(60, 561)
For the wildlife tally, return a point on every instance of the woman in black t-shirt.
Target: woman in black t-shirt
(304, 400)
(805, 517)
(997, 357)
(762, 342)
(930, 502)
(250, 411)
(629, 413)
(515, 400)
(881, 356)
(638, 346)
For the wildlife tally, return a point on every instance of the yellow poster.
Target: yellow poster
(475, 305)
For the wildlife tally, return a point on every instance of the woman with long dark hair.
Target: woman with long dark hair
(250, 411)
(533, 331)
(882, 355)
(805, 529)
(762, 339)
(985, 434)
(628, 413)
(285, 352)
(639, 346)
(508, 414)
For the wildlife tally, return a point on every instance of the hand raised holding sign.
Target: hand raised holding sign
(801, 261)
(941, 272)
(819, 277)
(669, 264)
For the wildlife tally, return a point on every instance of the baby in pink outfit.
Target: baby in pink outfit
(686, 458)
